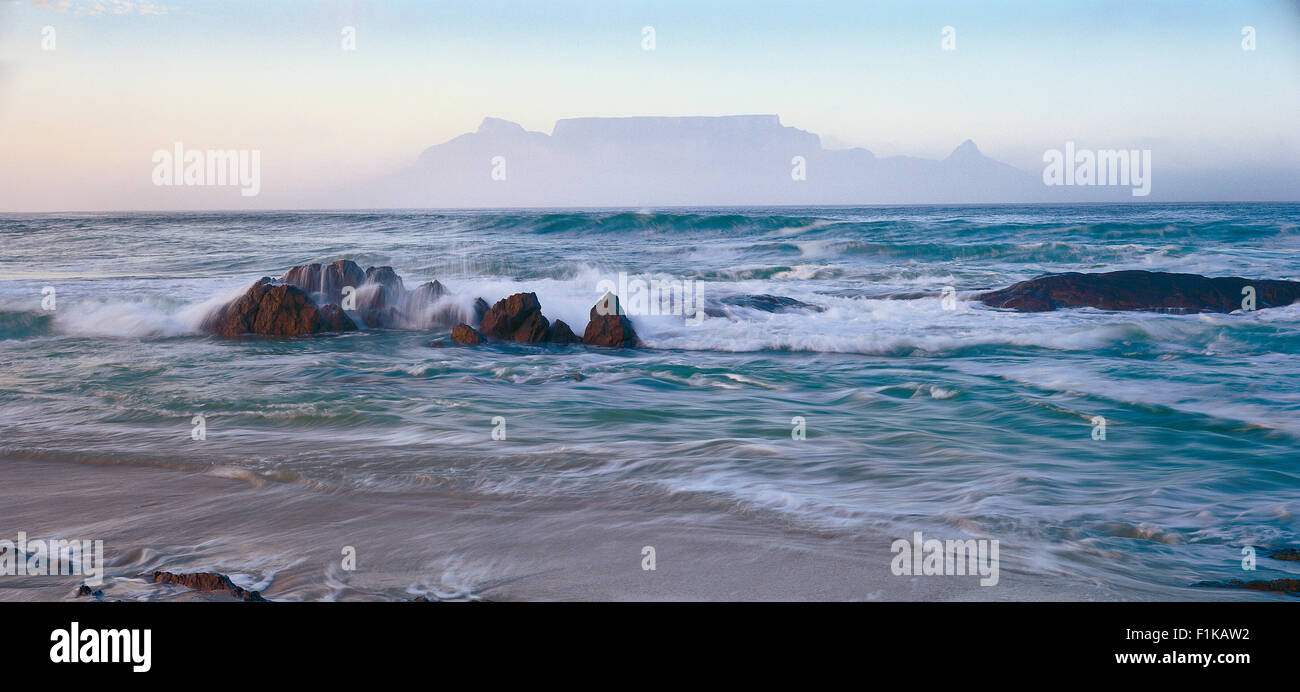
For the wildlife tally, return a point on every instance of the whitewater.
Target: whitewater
(955, 419)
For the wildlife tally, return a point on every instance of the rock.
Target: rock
(208, 581)
(480, 309)
(271, 308)
(465, 334)
(437, 343)
(325, 283)
(517, 318)
(1140, 290)
(1290, 554)
(608, 326)
(770, 303)
(85, 590)
(561, 333)
(1287, 586)
(381, 300)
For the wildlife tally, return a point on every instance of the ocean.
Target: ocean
(956, 420)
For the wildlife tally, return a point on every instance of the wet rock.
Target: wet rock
(561, 333)
(608, 325)
(85, 590)
(1287, 586)
(517, 318)
(1140, 290)
(325, 282)
(467, 335)
(770, 303)
(208, 581)
(271, 308)
(1290, 554)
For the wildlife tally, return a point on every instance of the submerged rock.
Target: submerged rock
(1287, 586)
(1140, 290)
(516, 318)
(608, 325)
(208, 581)
(271, 308)
(770, 303)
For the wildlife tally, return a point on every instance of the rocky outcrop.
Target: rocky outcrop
(325, 283)
(271, 308)
(562, 333)
(465, 334)
(609, 326)
(208, 581)
(1141, 290)
(517, 318)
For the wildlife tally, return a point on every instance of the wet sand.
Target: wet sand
(286, 540)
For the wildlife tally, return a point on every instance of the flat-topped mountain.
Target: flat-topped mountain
(660, 161)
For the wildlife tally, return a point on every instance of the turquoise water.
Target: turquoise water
(965, 421)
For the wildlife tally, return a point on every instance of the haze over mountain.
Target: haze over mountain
(706, 161)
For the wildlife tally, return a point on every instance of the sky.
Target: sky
(79, 122)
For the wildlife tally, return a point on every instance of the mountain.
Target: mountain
(687, 161)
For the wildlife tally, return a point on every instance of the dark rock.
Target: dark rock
(480, 309)
(85, 590)
(275, 309)
(1290, 554)
(1287, 586)
(325, 283)
(208, 581)
(561, 333)
(465, 334)
(608, 325)
(1140, 290)
(381, 298)
(517, 318)
(770, 303)
(437, 343)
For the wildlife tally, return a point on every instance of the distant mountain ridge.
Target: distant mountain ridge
(694, 161)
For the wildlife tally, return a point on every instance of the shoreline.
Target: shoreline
(285, 540)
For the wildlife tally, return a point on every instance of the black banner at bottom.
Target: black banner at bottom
(174, 641)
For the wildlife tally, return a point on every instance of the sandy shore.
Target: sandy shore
(287, 540)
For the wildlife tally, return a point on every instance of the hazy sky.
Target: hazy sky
(79, 123)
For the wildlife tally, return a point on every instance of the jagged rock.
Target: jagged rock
(208, 581)
(85, 590)
(271, 308)
(770, 303)
(1140, 290)
(608, 326)
(561, 333)
(465, 334)
(517, 318)
(325, 283)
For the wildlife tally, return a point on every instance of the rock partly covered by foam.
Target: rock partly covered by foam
(516, 318)
(207, 581)
(379, 296)
(770, 303)
(608, 325)
(271, 308)
(1140, 290)
(325, 282)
